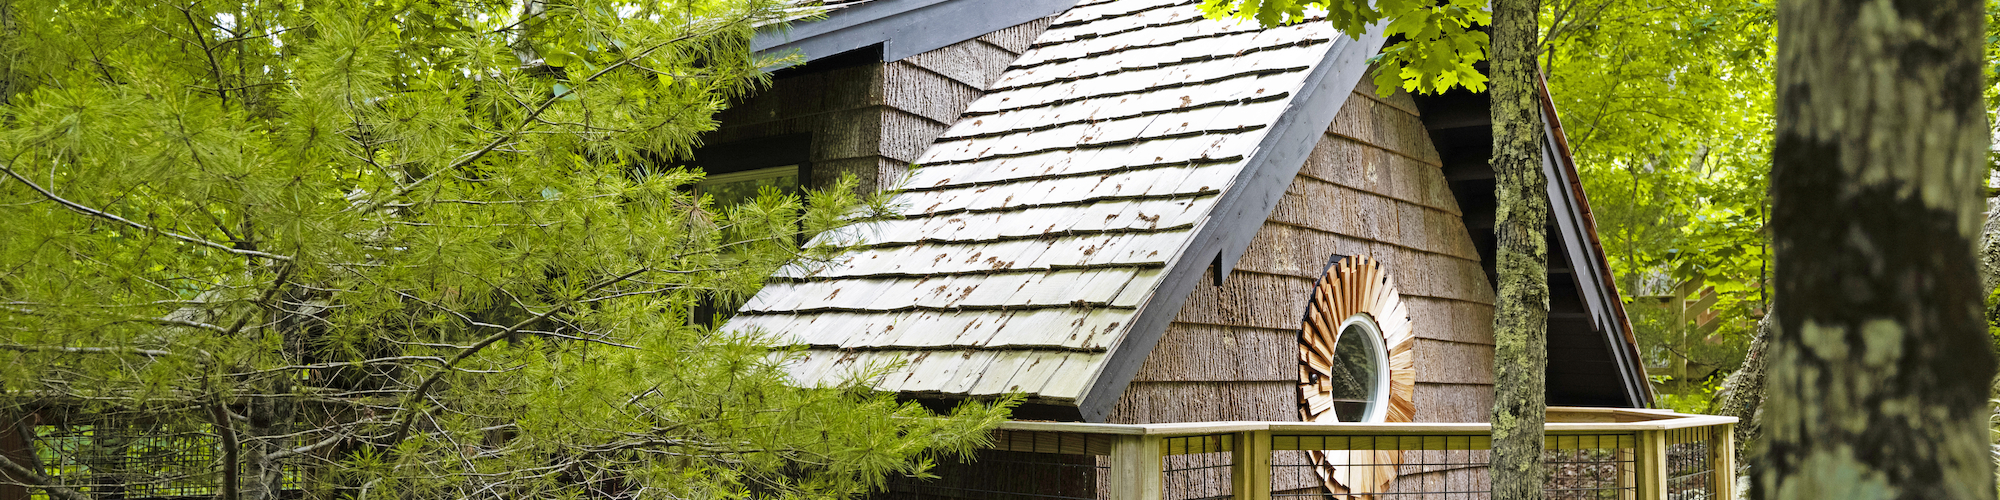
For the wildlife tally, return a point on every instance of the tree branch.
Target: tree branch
(150, 353)
(80, 208)
(284, 273)
(196, 30)
(39, 480)
(231, 477)
(291, 452)
(474, 156)
(420, 397)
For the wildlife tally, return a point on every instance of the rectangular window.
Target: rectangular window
(742, 186)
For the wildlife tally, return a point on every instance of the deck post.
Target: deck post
(1135, 468)
(1250, 466)
(1722, 458)
(1652, 448)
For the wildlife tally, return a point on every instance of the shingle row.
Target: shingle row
(1042, 222)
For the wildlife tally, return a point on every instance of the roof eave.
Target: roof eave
(902, 27)
(1593, 270)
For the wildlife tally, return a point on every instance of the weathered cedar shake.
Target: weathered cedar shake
(872, 120)
(1373, 186)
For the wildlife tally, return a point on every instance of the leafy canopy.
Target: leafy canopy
(1667, 105)
(1438, 41)
(414, 249)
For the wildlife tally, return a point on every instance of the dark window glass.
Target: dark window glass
(1355, 375)
(738, 187)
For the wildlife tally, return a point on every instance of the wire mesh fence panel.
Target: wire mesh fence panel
(1690, 464)
(112, 460)
(1444, 467)
(1023, 466)
(1380, 467)
(1591, 467)
(141, 458)
(1197, 467)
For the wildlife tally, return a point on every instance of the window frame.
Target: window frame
(1378, 398)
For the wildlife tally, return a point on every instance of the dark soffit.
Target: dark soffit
(1595, 347)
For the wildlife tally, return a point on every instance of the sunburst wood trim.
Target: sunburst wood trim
(1356, 285)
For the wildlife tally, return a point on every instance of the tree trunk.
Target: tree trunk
(1880, 362)
(1743, 392)
(1989, 249)
(1520, 325)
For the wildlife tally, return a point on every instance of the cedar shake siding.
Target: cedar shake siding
(1373, 186)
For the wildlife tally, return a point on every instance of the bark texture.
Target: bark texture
(1520, 321)
(1743, 392)
(1880, 362)
(1989, 249)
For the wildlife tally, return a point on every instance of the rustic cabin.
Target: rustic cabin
(1132, 215)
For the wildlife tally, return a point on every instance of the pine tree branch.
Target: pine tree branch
(226, 430)
(216, 69)
(150, 353)
(40, 481)
(278, 283)
(291, 452)
(133, 319)
(80, 208)
(503, 138)
(420, 397)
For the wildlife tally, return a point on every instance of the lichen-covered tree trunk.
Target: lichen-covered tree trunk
(1880, 362)
(1520, 325)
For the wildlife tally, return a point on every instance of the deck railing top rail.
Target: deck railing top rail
(1626, 454)
(1561, 419)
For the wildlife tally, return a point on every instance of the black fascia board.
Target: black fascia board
(1226, 233)
(1587, 268)
(903, 27)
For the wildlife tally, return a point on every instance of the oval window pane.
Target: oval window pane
(1354, 378)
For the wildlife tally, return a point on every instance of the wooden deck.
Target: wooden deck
(1596, 453)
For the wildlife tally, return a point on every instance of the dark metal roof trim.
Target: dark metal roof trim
(1226, 233)
(903, 27)
(1586, 255)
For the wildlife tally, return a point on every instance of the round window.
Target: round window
(1358, 378)
(1356, 365)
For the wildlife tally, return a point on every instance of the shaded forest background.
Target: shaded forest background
(1668, 109)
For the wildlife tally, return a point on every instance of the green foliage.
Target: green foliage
(1435, 43)
(1992, 91)
(435, 249)
(1667, 108)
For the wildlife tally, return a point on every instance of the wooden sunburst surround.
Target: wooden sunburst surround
(1336, 382)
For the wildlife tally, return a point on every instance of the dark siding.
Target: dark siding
(871, 120)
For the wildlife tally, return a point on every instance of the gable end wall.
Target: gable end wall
(1373, 186)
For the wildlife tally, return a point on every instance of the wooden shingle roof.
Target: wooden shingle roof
(1051, 232)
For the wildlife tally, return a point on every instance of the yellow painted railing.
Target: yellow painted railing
(1595, 453)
